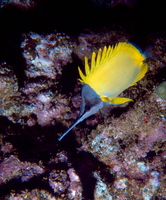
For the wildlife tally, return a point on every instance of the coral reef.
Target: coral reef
(116, 154)
(122, 157)
(91, 42)
(12, 168)
(130, 145)
(45, 55)
(10, 96)
(110, 3)
(40, 100)
(24, 4)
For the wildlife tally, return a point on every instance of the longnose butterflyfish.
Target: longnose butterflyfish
(113, 69)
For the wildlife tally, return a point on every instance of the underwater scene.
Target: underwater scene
(82, 100)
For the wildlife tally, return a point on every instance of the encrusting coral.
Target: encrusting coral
(123, 157)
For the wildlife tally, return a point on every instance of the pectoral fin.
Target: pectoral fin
(119, 100)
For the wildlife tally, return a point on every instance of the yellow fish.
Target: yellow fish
(112, 70)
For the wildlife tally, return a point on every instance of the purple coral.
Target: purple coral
(45, 55)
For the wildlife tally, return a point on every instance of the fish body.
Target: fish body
(112, 70)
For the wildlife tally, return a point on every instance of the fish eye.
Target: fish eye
(87, 108)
